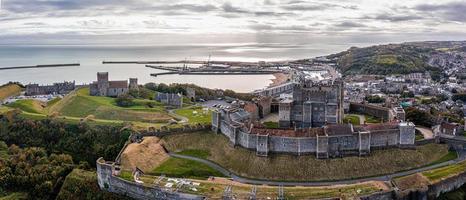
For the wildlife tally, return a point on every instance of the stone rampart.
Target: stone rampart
(109, 182)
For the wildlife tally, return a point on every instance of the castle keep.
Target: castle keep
(104, 87)
(313, 104)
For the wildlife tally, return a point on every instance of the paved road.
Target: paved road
(426, 132)
(240, 179)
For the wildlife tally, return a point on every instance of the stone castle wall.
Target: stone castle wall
(358, 143)
(108, 182)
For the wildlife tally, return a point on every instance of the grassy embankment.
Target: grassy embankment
(9, 90)
(288, 167)
(423, 179)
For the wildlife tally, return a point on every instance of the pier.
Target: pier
(41, 66)
(211, 71)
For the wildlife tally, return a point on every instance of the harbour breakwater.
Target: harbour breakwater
(41, 66)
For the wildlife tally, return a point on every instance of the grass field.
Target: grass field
(195, 114)
(288, 167)
(9, 90)
(183, 168)
(353, 119)
(81, 104)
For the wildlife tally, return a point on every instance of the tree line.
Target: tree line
(42, 153)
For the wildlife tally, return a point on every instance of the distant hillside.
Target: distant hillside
(393, 58)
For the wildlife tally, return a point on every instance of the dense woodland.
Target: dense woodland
(36, 156)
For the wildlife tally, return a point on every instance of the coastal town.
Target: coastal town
(310, 112)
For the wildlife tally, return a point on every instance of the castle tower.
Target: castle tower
(407, 134)
(133, 84)
(102, 83)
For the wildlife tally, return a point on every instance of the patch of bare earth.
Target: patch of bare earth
(146, 155)
(415, 181)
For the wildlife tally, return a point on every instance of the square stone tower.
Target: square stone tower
(133, 84)
(102, 83)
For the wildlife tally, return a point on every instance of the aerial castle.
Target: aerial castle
(310, 122)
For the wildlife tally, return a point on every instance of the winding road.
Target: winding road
(235, 177)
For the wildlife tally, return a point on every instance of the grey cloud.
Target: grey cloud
(349, 24)
(452, 11)
(396, 18)
(297, 5)
(268, 27)
(227, 7)
(188, 7)
(231, 11)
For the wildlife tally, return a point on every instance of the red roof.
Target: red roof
(118, 84)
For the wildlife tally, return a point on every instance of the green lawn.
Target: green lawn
(183, 168)
(271, 125)
(353, 119)
(195, 114)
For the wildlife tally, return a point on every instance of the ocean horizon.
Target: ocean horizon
(91, 57)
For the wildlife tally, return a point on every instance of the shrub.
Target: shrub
(124, 100)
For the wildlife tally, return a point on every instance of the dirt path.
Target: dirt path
(426, 132)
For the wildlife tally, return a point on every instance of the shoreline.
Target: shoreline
(279, 78)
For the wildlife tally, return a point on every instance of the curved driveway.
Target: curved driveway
(241, 179)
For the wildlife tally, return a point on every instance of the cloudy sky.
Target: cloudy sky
(74, 21)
